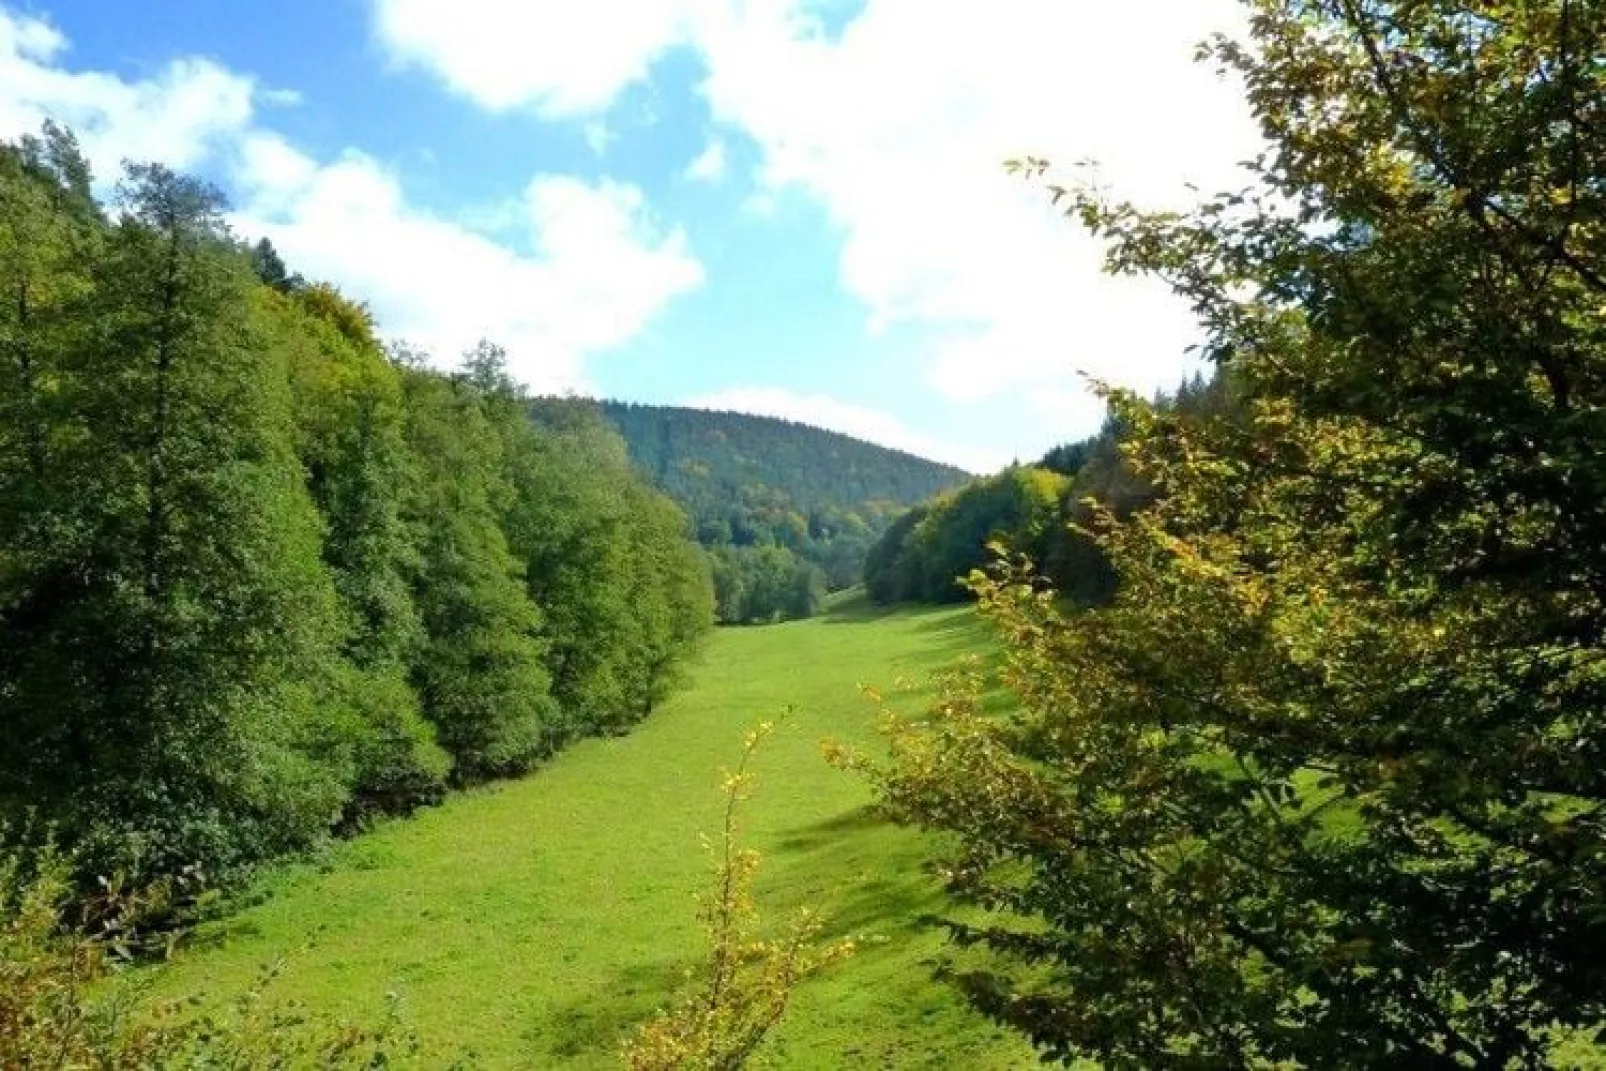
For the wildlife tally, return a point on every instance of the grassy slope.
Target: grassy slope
(533, 923)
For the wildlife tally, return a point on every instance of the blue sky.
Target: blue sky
(794, 207)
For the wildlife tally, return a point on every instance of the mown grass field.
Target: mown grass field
(532, 924)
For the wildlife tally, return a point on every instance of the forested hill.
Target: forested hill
(688, 452)
(1041, 510)
(787, 510)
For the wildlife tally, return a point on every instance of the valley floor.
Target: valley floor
(532, 924)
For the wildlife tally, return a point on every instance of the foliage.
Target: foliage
(1104, 483)
(1322, 785)
(67, 1001)
(169, 632)
(351, 417)
(748, 980)
(481, 672)
(819, 498)
(625, 593)
(260, 578)
(924, 556)
(1044, 511)
(759, 585)
(270, 268)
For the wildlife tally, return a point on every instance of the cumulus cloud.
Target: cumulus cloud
(563, 59)
(861, 422)
(709, 166)
(576, 268)
(897, 123)
(29, 38)
(598, 269)
(898, 126)
(189, 109)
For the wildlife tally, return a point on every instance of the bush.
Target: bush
(748, 980)
(65, 1001)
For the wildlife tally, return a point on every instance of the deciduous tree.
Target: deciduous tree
(1323, 786)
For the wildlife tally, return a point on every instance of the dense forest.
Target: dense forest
(1048, 513)
(261, 577)
(786, 511)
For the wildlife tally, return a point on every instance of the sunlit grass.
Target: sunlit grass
(534, 923)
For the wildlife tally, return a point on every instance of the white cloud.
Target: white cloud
(564, 59)
(29, 38)
(861, 422)
(598, 137)
(709, 166)
(899, 125)
(896, 125)
(272, 171)
(180, 116)
(599, 271)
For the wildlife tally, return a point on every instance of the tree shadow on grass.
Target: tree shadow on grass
(805, 839)
(897, 900)
(950, 623)
(890, 905)
(600, 1018)
(858, 611)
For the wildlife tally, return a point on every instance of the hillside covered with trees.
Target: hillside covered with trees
(786, 511)
(260, 577)
(1047, 512)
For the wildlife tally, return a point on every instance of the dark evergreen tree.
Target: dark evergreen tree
(270, 268)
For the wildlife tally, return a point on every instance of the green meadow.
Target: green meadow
(532, 924)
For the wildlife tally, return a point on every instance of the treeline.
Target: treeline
(787, 511)
(1044, 511)
(261, 578)
(756, 585)
(926, 553)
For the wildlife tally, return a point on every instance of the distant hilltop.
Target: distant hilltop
(815, 467)
(787, 511)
